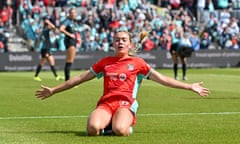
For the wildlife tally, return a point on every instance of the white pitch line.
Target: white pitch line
(185, 114)
(142, 115)
(41, 117)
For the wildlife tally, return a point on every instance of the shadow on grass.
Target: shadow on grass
(76, 133)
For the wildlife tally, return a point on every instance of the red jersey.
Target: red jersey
(122, 77)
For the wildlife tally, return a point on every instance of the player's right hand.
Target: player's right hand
(44, 92)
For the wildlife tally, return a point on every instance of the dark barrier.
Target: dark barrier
(27, 61)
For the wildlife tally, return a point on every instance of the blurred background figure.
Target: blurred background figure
(46, 42)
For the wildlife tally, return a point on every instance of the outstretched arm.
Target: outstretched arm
(170, 82)
(46, 92)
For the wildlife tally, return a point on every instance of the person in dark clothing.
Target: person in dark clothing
(46, 53)
(72, 37)
(182, 49)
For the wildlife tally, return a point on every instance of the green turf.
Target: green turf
(165, 115)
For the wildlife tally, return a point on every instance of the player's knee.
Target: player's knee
(121, 131)
(93, 130)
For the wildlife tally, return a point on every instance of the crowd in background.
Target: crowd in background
(205, 22)
(6, 13)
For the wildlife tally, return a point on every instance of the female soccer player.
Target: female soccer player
(46, 51)
(181, 48)
(70, 29)
(122, 76)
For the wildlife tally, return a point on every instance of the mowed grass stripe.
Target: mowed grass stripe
(141, 115)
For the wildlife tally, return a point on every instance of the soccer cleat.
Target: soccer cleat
(185, 78)
(107, 130)
(130, 130)
(59, 78)
(37, 78)
(176, 77)
(75, 86)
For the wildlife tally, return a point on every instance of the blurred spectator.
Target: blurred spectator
(195, 40)
(133, 4)
(234, 42)
(210, 6)
(36, 10)
(62, 3)
(49, 2)
(190, 6)
(29, 30)
(5, 16)
(4, 36)
(124, 6)
(105, 45)
(10, 15)
(235, 4)
(155, 38)
(200, 10)
(105, 17)
(165, 40)
(233, 26)
(175, 3)
(224, 16)
(212, 27)
(148, 45)
(205, 41)
(223, 4)
(3, 42)
(25, 8)
(224, 37)
(1, 46)
(92, 45)
(163, 3)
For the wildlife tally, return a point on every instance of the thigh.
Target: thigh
(51, 60)
(99, 118)
(71, 52)
(184, 60)
(174, 57)
(43, 61)
(123, 118)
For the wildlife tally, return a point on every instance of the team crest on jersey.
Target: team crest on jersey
(122, 77)
(130, 67)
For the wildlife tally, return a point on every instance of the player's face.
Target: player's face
(73, 14)
(122, 43)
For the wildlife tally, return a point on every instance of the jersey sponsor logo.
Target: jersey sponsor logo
(122, 77)
(112, 76)
(130, 67)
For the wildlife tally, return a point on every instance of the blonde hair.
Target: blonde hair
(143, 37)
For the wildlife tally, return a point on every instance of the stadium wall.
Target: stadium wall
(27, 61)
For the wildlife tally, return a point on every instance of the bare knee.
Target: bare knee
(97, 121)
(121, 131)
(93, 130)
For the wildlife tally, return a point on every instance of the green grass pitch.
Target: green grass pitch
(165, 115)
